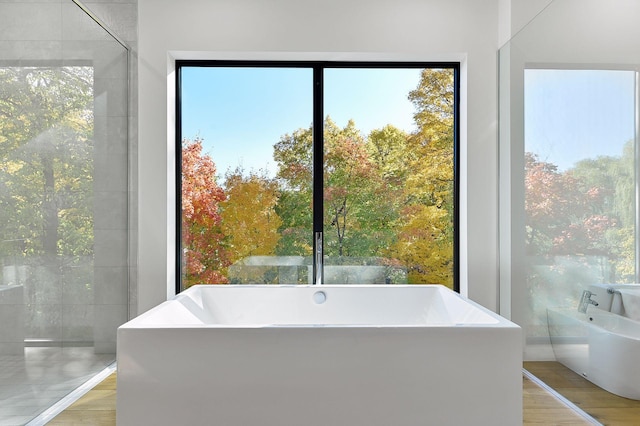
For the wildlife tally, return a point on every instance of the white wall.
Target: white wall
(517, 14)
(429, 30)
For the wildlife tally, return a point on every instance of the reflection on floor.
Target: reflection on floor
(32, 383)
(607, 408)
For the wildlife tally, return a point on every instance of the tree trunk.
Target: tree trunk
(49, 209)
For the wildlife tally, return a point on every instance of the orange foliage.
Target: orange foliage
(204, 256)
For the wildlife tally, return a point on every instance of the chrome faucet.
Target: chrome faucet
(585, 301)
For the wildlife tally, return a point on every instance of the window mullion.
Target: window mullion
(318, 170)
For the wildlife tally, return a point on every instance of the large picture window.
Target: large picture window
(306, 172)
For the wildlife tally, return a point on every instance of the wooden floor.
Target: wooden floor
(539, 407)
(98, 406)
(607, 408)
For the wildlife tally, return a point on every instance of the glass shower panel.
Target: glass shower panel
(569, 186)
(64, 203)
(568, 161)
(579, 127)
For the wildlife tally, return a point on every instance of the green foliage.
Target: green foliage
(294, 156)
(387, 148)
(386, 195)
(248, 217)
(587, 210)
(351, 180)
(425, 243)
(46, 185)
(358, 209)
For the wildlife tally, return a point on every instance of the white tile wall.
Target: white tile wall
(32, 1)
(110, 98)
(12, 51)
(119, 17)
(110, 208)
(107, 320)
(78, 27)
(37, 21)
(110, 247)
(108, 285)
(12, 313)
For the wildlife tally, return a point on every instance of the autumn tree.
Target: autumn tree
(387, 148)
(614, 176)
(294, 155)
(204, 255)
(353, 195)
(426, 232)
(585, 210)
(46, 169)
(389, 194)
(248, 217)
(546, 203)
(352, 200)
(571, 212)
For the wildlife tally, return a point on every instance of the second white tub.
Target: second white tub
(599, 345)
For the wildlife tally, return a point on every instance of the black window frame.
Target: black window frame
(318, 140)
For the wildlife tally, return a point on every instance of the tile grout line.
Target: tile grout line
(51, 412)
(561, 398)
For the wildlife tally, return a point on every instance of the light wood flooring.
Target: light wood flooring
(98, 406)
(607, 408)
(539, 407)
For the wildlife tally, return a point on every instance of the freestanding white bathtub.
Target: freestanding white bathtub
(599, 345)
(331, 355)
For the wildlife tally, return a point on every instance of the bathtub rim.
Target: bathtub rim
(139, 322)
(595, 312)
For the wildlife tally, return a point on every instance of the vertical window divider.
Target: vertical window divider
(318, 174)
(178, 178)
(456, 178)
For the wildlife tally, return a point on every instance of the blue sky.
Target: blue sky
(240, 113)
(572, 115)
